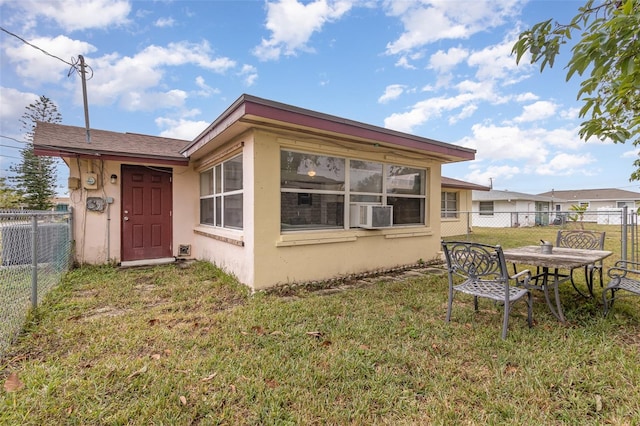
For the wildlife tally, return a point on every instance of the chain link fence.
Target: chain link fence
(526, 228)
(35, 251)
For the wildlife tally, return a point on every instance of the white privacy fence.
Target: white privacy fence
(35, 251)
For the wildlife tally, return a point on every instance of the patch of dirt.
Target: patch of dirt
(107, 311)
(85, 293)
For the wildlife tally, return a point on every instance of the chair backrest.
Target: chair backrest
(475, 260)
(580, 239)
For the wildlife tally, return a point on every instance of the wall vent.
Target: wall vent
(184, 250)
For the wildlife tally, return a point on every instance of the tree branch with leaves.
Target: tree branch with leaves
(606, 56)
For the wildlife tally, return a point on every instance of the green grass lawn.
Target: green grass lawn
(182, 346)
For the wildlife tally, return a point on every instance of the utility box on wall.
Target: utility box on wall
(90, 181)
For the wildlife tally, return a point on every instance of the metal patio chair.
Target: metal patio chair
(625, 275)
(586, 240)
(480, 270)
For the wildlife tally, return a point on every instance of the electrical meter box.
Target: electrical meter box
(90, 181)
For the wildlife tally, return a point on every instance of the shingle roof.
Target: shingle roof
(499, 195)
(604, 194)
(62, 140)
(447, 182)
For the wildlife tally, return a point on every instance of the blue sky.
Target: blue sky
(439, 69)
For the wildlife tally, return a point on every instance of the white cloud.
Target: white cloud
(537, 111)
(492, 173)
(37, 68)
(205, 89)
(428, 21)
(496, 63)
(526, 97)
(391, 92)
(249, 73)
(149, 101)
(14, 103)
(494, 143)
(442, 61)
(292, 24)
(165, 22)
(631, 154)
(180, 128)
(403, 62)
(72, 15)
(471, 93)
(130, 79)
(566, 164)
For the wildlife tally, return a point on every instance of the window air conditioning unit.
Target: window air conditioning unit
(371, 216)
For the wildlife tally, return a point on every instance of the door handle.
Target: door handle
(125, 218)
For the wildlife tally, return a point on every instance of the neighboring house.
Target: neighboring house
(594, 199)
(60, 204)
(456, 203)
(500, 209)
(269, 192)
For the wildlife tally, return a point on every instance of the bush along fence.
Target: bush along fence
(35, 252)
(523, 228)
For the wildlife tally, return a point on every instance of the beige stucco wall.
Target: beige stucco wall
(261, 255)
(314, 255)
(458, 225)
(229, 249)
(97, 234)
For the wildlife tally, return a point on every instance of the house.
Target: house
(594, 199)
(269, 192)
(501, 209)
(456, 198)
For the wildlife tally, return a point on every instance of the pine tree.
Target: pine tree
(35, 177)
(9, 197)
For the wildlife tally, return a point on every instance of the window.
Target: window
(406, 193)
(486, 208)
(315, 188)
(621, 204)
(221, 194)
(449, 205)
(312, 191)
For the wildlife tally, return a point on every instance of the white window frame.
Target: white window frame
(445, 211)
(221, 196)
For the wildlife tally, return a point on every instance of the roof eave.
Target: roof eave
(250, 109)
(90, 154)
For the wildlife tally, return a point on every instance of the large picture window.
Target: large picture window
(221, 194)
(449, 205)
(316, 190)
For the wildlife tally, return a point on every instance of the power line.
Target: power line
(9, 146)
(13, 139)
(36, 47)
(74, 65)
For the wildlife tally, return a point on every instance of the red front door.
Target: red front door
(146, 213)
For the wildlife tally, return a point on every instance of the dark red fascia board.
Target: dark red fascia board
(351, 128)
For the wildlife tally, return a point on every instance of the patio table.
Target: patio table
(559, 258)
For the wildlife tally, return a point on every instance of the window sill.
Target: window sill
(343, 236)
(220, 234)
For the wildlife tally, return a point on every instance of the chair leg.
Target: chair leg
(576, 287)
(608, 303)
(449, 304)
(530, 310)
(505, 321)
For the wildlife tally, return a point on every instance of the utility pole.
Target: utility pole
(84, 97)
